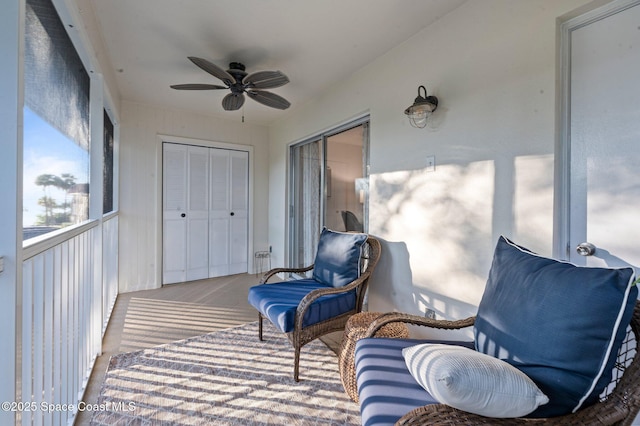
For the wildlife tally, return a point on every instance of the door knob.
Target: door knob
(586, 249)
(183, 215)
(232, 213)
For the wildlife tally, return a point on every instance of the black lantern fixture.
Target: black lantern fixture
(421, 109)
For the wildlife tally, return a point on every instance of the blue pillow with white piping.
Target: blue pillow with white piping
(337, 261)
(560, 324)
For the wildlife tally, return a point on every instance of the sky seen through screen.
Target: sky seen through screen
(47, 151)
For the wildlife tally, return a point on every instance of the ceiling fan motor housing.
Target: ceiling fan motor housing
(237, 71)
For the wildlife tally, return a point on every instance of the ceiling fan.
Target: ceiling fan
(240, 82)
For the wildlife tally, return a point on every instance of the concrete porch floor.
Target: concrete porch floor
(148, 318)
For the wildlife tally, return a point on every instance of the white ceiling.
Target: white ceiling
(315, 43)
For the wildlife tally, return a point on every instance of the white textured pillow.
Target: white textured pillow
(472, 381)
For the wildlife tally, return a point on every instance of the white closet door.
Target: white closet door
(239, 190)
(198, 214)
(219, 213)
(205, 212)
(174, 197)
(228, 214)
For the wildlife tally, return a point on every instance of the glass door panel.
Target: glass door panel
(346, 183)
(306, 202)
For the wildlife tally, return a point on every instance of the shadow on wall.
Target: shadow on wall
(612, 261)
(448, 222)
(393, 287)
(445, 220)
(394, 290)
(391, 280)
(507, 195)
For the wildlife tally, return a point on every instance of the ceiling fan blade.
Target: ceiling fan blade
(198, 87)
(213, 69)
(269, 99)
(233, 101)
(265, 80)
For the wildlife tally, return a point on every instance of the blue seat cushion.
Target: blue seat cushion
(386, 388)
(278, 302)
(337, 261)
(560, 324)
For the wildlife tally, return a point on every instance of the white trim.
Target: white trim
(37, 245)
(96, 151)
(116, 165)
(335, 128)
(562, 172)
(158, 208)
(11, 101)
(75, 29)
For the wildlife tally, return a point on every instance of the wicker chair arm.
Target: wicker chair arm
(274, 271)
(441, 414)
(417, 320)
(312, 296)
(444, 415)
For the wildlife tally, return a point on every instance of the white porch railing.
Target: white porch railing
(109, 268)
(69, 289)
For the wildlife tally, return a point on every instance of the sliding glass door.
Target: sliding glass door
(329, 187)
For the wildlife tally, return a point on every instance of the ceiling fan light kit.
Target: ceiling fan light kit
(240, 82)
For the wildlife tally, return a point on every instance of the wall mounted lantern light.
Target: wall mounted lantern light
(421, 109)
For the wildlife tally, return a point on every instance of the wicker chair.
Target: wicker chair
(619, 404)
(301, 335)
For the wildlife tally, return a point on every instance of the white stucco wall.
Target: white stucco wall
(140, 151)
(492, 64)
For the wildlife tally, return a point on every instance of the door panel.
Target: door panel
(174, 198)
(238, 251)
(175, 251)
(198, 250)
(605, 140)
(346, 198)
(219, 213)
(239, 211)
(305, 203)
(198, 214)
(219, 247)
(228, 212)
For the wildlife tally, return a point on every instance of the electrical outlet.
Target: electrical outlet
(430, 313)
(431, 164)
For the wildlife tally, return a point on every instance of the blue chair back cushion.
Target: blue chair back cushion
(561, 324)
(278, 302)
(337, 261)
(386, 389)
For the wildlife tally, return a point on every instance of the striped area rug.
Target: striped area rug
(227, 377)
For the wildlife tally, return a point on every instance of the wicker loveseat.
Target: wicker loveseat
(617, 407)
(389, 393)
